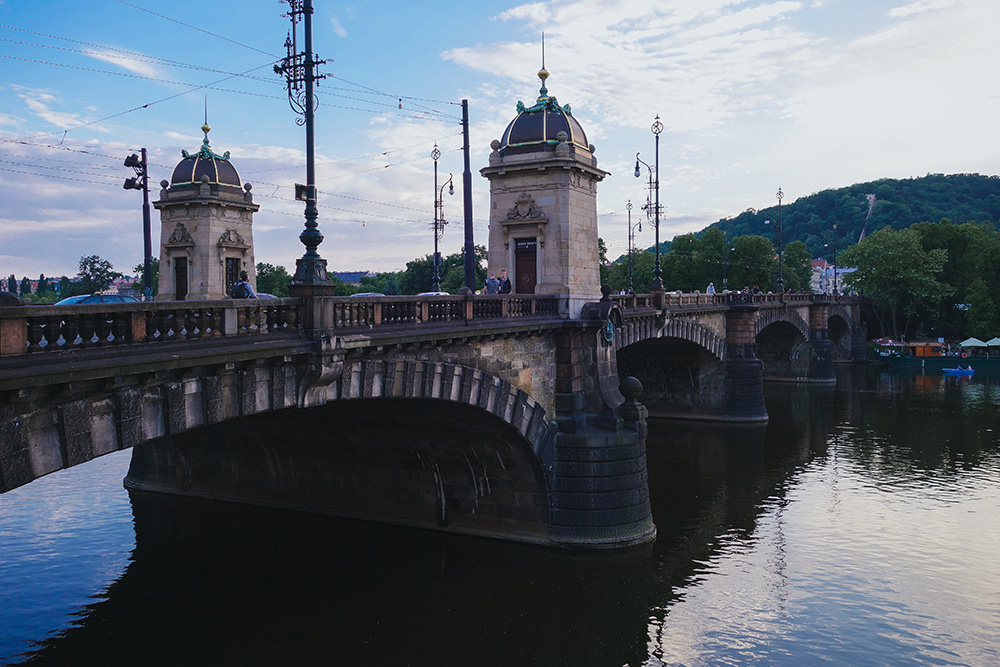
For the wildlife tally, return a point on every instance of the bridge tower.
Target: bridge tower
(206, 221)
(543, 203)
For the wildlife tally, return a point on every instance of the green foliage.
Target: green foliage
(833, 219)
(12, 284)
(384, 283)
(898, 274)
(796, 266)
(272, 279)
(642, 272)
(95, 274)
(25, 286)
(984, 322)
(140, 269)
(750, 263)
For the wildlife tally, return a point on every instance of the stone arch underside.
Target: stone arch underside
(421, 462)
(637, 329)
(841, 332)
(783, 349)
(680, 377)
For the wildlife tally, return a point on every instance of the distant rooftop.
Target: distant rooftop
(352, 277)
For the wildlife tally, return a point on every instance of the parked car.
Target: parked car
(265, 295)
(434, 294)
(85, 299)
(364, 294)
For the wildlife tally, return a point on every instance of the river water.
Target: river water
(858, 527)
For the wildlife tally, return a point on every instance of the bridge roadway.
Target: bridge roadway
(486, 415)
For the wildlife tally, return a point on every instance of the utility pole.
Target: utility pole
(141, 182)
(300, 72)
(470, 243)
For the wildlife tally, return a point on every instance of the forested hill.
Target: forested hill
(898, 204)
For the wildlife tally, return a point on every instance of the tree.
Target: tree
(602, 260)
(140, 269)
(96, 274)
(750, 262)
(984, 323)
(12, 284)
(384, 283)
(899, 276)
(454, 270)
(797, 266)
(25, 286)
(272, 279)
(43, 285)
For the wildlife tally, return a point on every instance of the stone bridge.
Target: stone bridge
(497, 416)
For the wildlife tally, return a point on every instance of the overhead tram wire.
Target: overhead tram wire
(201, 30)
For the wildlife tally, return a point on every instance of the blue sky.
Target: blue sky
(754, 96)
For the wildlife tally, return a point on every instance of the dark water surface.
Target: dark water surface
(861, 526)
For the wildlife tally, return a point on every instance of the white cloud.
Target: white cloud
(125, 62)
(338, 29)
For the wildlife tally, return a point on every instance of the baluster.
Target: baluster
(272, 319)
(120, 326)
(35, 333)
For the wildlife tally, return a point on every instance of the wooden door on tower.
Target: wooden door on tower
(525, 265)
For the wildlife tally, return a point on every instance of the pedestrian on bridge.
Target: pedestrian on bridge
(492, 284)
(505, 285)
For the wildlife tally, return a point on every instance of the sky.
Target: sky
(753, 95)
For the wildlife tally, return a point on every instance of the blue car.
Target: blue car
(85, 299)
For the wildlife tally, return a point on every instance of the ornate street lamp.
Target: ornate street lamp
(654, 186)
(300, 72)
(781, 284)
(439, 221)
(835, 259)
(631, 244)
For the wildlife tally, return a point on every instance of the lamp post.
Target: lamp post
(654, 186)
(725, 263)
(834, 258)
(631, 243)
(300, 72)
(439, 221)
(781, 284)
(141, 182)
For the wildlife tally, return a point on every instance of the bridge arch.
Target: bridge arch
(421, 462)
(841, 332)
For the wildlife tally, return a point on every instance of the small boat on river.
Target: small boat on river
(958, 371)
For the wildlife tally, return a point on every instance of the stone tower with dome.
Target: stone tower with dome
(206, 221)
(543, 203)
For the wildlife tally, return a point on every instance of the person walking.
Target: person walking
(710, 289)
(492, 284)
(505, 285)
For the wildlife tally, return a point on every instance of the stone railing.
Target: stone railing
(387, 311)
(721, 299)
(32, 330)
(47, 329)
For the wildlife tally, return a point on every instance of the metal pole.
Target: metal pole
(470, 244)
(147, 236)
(436, 279)
(781, 285)
(657, 272)
(835, 259)
(631, 243)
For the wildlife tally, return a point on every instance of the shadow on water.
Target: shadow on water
(214, 583)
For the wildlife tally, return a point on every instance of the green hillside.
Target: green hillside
(899, 203)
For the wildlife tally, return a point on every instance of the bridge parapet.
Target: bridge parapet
(49, 329)
(32, 330)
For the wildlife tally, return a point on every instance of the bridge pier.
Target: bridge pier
(820, 345)
(744, 372)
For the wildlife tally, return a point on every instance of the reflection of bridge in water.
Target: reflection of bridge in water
(487, 415)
